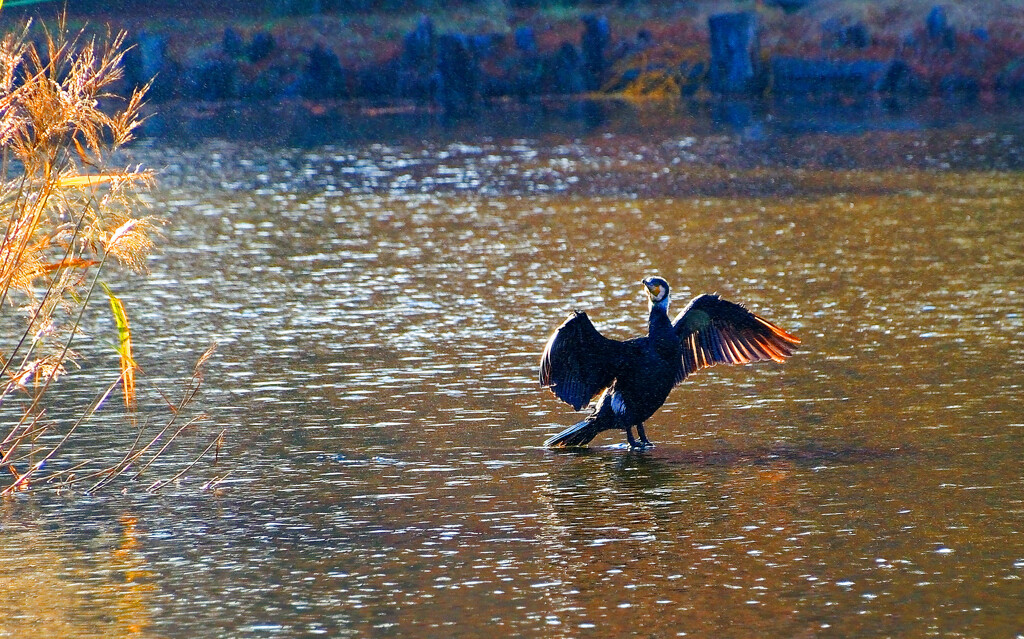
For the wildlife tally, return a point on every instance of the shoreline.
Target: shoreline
(459, 59)
(709, 147)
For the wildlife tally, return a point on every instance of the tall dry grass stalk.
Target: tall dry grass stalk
(69, 218)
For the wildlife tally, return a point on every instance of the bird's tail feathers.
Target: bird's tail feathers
(578, 434)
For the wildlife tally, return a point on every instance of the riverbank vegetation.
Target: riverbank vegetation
(71, 219)
(461, 56)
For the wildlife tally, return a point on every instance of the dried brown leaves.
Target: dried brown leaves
(66, 213)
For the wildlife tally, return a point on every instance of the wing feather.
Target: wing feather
(716, 331)
(578, 362)
(718, 351)
(748, 349)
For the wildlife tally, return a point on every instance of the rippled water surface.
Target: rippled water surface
(380, 308)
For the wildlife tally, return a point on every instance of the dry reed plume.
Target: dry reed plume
(69, 218)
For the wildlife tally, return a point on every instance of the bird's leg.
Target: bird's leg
(643, 435)
(629, 437)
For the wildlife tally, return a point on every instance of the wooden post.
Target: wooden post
(735, 53)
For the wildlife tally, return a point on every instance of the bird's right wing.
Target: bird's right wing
(578, 362)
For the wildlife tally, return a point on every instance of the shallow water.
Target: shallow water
(380, 308)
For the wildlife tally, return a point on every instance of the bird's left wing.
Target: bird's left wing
(716, 331)
(578, 361)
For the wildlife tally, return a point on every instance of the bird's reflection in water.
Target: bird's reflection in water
(611, 515)
(707, 530)
(614, 489)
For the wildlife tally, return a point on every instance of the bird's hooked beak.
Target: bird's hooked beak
(654, 288)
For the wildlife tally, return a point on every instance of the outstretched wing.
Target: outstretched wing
(578, 361)
(715, 331)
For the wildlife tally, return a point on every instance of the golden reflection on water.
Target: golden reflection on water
(834, 495)
(381, 312)
(54, 587)
(826, 508)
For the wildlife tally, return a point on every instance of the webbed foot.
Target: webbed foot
(629, 438)
(644, 442)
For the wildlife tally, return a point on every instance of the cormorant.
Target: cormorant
(638, 374)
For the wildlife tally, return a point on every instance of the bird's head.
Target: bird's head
(657, 291)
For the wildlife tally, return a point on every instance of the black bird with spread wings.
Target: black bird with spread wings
(637, 375)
